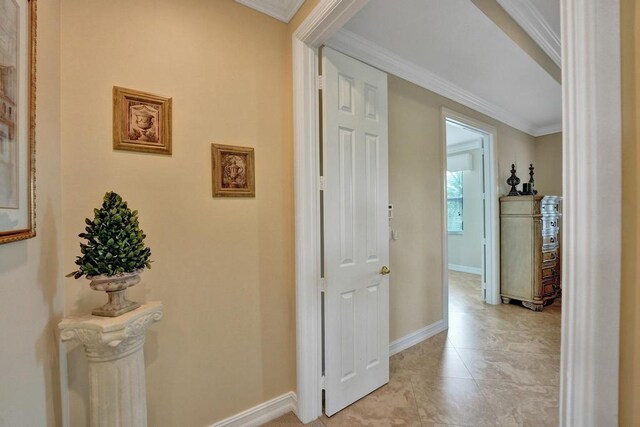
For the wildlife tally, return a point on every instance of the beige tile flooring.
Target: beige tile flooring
(495, 366)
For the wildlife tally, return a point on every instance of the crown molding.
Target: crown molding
(364, 50)
(546, 130)
(534, 24)
(281, 10)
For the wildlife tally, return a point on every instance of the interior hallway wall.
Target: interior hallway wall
(465, 249)
(31, 293)
(630, 285)
(548, 164)
(222, 267)
(416, 189)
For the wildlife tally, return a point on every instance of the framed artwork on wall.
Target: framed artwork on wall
(141, 121)
(17, 119)
(233, 171)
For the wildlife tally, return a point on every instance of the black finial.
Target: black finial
(513, 181)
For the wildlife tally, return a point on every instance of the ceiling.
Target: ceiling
(541, 20)
(457, 134)
(282, 10)
(453, 48)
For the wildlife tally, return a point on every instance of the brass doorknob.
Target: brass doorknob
(385, 270)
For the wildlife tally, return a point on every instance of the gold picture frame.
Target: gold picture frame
(141, 121)
(233, 171)
(18, 122)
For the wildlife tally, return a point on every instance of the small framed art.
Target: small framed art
(233, 171)
(141, 121)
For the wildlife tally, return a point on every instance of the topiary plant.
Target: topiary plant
(115, 242)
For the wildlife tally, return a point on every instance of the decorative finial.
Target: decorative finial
(513, 181)
(532, 189)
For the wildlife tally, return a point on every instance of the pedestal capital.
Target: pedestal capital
(108, 338)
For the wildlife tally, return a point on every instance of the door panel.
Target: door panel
(356, 229)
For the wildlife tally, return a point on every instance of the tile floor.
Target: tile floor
(495, 366)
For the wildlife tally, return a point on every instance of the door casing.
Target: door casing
(592, 136)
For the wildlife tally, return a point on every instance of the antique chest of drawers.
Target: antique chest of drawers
(530, 250)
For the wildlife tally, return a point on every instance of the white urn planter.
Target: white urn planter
(115, 287)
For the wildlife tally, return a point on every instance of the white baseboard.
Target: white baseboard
(465, 269)
(416, 337)
(262, 413)
(279, 406)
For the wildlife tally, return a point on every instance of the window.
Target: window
(454, 202)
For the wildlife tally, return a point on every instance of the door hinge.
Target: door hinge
(323, 284)
(322, 382)
(321, 183)
(320, 83)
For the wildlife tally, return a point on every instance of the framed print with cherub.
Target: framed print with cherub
(17, 119)
(141, 121)
(233, 171)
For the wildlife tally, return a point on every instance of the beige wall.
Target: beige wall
(223, 267)
(630, 289)
(416, 174)
(466, 249)
(30, 271)
(548, 164)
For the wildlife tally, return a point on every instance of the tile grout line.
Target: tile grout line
(415, 399)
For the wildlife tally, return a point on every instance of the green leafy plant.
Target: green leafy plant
(115, 242)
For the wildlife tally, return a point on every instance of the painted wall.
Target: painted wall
(222, 267)
(630, 286)
(466, 249)
(31, 293)
(416, 188)
(548, 164)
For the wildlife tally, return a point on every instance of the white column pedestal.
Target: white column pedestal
(114, 348)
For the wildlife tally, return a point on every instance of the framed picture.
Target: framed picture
(233, 171)
(141, 121)
(17, 119)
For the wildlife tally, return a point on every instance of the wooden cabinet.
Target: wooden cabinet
(530, 250)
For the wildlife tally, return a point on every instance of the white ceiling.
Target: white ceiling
(457, 134)
(458, 47)
(541, 20)
(282, 10)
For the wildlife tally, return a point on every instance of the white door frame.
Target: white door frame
(592, 212)
(491, 207)
(592, 207)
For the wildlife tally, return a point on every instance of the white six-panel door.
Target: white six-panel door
(356, 229)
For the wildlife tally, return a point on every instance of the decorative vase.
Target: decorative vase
(115, 287)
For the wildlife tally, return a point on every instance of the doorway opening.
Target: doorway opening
(471, 206)
(589, 138)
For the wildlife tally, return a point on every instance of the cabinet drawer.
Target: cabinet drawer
(549, 208)
(550, 285)
(549, 288)
(520, 205)
(548, 257)
(549, 272)
(550, 223)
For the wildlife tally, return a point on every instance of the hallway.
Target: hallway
(496, 365)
